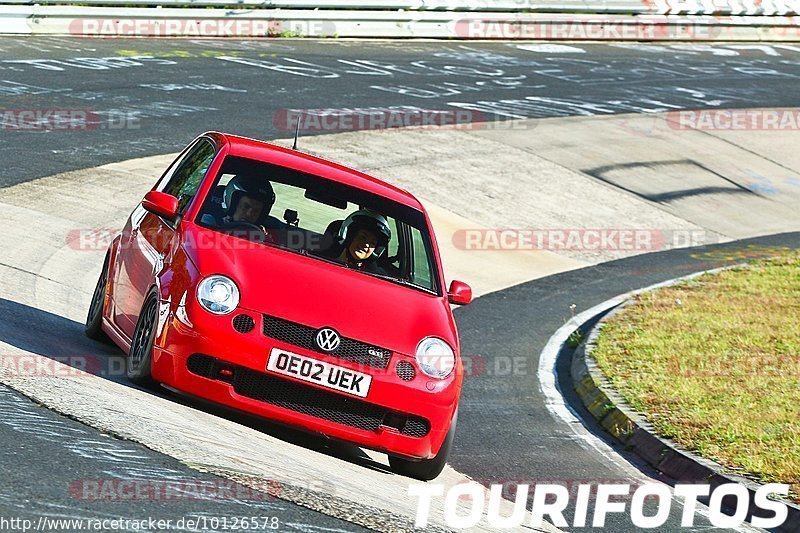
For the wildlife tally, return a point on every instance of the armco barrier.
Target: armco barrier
(651, 7)
(562, 6)
(624, 20)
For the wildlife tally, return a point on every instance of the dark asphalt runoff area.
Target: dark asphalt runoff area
(146, 97)
(150, 97)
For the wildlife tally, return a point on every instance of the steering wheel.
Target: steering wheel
(265, 236)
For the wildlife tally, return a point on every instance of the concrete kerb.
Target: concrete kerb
(628, 427)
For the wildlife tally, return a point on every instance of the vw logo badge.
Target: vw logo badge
(327, 340)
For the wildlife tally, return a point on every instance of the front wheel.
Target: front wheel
(94, 318)
(140, 357)
(426, 469)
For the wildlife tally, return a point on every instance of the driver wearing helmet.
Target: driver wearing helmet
(364, 236)
(248, 200)
(244, 209)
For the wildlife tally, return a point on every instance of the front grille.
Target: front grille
(308, 400)
(314, 402)
(405, 370)
(416, 427)
(303, 336)
(243, 323)
(202, 365)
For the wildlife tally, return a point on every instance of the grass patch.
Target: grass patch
(714, 364)
(575, 338)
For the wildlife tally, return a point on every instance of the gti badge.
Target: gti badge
(327, 340)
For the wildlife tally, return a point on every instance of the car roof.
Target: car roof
(317, 166)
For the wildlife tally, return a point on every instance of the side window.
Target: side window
(422, 274)
(185, 181)
(394, 243)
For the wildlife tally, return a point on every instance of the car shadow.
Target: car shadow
(61, 339)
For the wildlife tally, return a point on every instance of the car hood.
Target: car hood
(317, 293)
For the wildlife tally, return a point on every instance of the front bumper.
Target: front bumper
(203, 355)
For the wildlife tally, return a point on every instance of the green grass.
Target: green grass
(575, 338)
(714, 364)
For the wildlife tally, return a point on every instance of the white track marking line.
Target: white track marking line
(560, 410)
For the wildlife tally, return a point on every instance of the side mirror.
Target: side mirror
(459, 293)
(162, 204)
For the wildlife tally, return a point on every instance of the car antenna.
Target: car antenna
(296, 131)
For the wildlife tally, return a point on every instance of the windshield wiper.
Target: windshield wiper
(399, 281)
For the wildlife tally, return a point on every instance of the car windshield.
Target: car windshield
(276, 206)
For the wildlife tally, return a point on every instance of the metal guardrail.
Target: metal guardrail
(608, 21)
(630, 7)
(557, 6)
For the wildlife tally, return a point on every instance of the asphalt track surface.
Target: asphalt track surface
(60, 470)
(168, 91)
(153, 96)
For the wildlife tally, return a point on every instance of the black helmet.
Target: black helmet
(252, 186)
(366, 219)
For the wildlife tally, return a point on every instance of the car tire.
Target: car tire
(94, 317)
(426, 469)
(140, 357)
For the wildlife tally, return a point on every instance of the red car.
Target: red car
(293, 288)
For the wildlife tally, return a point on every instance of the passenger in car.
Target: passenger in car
(363, 238)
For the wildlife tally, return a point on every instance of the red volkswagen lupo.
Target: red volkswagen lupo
(293, 288)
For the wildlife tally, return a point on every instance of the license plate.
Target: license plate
(319, 372)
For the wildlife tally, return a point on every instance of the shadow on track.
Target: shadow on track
(61, 339)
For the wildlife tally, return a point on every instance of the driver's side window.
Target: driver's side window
(189, 173)
(394, 242)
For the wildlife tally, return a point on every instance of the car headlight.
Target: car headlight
(218, 294)
(435, 357)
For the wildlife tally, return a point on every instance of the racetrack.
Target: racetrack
(174, 88)
(505, 432)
